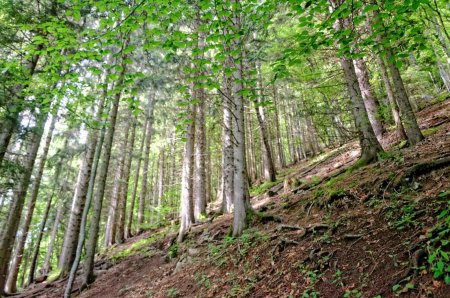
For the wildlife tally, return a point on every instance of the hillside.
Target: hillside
(339, 232)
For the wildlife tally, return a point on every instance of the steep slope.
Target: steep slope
(367, 232)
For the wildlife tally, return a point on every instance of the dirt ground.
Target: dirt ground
(362, 233)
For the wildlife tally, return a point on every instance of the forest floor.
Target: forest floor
(340, 233)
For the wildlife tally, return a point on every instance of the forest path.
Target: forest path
(360, 232)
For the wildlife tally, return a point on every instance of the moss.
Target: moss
(138, 246)
(430, 131)
(262, 188)
(54, 275)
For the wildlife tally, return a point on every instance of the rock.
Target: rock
(193, 251)
(183, 262)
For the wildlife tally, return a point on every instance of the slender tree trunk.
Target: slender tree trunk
(200, 195)
(14, 268)
(406, 112)
(15, 209)
(136, 180)
(91, 245)
(228, 158)
(392, 100)
(370, 100)
(110, 232)
(370, 147)
(9, 125)
(161, 177)
(241, 194)
(121, 211)
(187, 208)
(143, 193)
(269, 168)
(79, 199)
(279, 139)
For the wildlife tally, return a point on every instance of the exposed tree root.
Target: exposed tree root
(421, 169)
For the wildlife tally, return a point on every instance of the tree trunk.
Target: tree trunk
(241, 195)
(121, 210)
(187, 208)
(406, 112)
(279, 139)
(144, 181)
(136, 180)
(228, 158)
(14, 267)
(73, 226)
(200, 195)
(392, 100)
(15, 209)
(91, 245)
(110, 232)
(269, 168)
(370, 100)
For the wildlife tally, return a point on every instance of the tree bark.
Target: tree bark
(88, 275)
(370, 100)
(79, 199)
(406, 112)
(110, 232)
(15, 209)
(15, 265)
(187, 208)
(121, 210)
(143, 193)
(269, 168)
(392, 100)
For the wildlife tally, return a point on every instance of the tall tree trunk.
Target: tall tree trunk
(79, 199)
(200, 195)
(161, 177)
(110, 232)
(370, 100)
(121, 210)
(392, 100)
(269, 168)
(143, 193)
(15, 209)
(370, 147)
(91, 245)
(136, 179)
(9, 125)
(406, 112)
(187, 208)
(14, 268)
(228, 150)
(241, 194)
(84, 216)
(279, 139)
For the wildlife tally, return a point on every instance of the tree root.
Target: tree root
(421, 169)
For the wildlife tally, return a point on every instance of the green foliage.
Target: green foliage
(202, 280)
(312, 277)
(439, 246)
(172, 292)
(173, 251)
(262, 188)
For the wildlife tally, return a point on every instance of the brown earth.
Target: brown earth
(362, 232)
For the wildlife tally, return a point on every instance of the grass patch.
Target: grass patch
(430, 131)
(54, 275)
(138, 246)
(262, 188)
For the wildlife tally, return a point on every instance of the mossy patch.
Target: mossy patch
(138, 246)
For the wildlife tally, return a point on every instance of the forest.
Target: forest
(225, 148)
